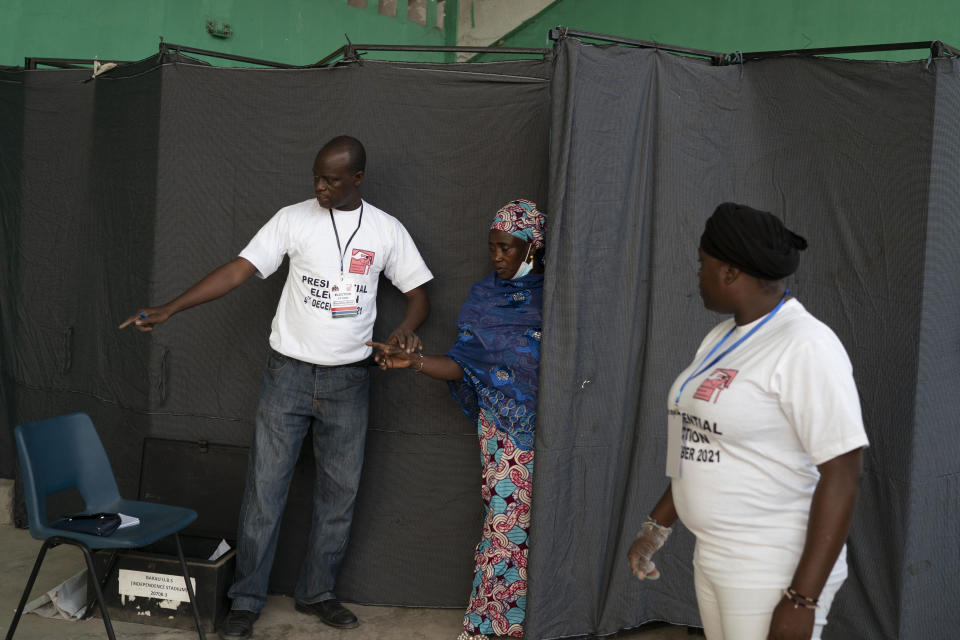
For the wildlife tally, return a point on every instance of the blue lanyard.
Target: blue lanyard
(736, 344)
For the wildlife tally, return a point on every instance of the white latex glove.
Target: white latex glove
(650, 538)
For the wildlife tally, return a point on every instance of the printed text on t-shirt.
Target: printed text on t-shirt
(319, 297)
(695, 431)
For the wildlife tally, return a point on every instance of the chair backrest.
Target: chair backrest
(63, 453)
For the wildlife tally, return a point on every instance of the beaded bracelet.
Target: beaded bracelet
(420, 353)
(800, 600)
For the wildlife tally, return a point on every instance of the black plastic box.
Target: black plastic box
(154, 575)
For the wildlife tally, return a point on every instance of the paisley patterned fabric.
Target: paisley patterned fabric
(498, 347)
(521, 218)
(498, 602)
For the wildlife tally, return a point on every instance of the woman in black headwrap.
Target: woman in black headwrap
(764, 446)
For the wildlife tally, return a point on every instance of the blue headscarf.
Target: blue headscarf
(498, 347)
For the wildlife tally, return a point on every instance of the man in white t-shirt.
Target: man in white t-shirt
(317, 374)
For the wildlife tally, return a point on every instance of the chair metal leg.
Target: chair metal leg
(97, 590)
(47, 544)
(186, 577)
(111, 563)
(98, 584)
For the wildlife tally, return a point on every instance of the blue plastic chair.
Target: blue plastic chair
(64, 453)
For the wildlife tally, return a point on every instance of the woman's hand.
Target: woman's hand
(649, 540)
(791, 623)
(653, 533)
(392, 356)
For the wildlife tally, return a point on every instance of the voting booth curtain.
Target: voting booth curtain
(859, 157)
(122, 191)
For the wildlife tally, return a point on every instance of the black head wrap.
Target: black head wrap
(756, 242)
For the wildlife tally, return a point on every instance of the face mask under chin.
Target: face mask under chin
(526, 266)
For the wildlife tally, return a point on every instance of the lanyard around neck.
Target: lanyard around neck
(703, 367)
(343, 252)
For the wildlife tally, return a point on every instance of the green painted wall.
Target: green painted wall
(304, 31)
(290, 31)
(754, 25)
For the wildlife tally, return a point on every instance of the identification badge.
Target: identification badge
(344, 300)
(674, 443)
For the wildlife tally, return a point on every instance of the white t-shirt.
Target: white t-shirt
(324, 317)
(753, 428)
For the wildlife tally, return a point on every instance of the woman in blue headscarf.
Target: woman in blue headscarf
(492, 371)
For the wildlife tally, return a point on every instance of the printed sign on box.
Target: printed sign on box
(161, 586)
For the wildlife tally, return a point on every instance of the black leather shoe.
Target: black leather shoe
(331, 612)
(238, 624)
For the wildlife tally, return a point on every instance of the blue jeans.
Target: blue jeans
(294, 396)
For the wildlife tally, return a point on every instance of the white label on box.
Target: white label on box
(160, 586)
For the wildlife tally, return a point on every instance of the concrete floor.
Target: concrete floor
(279, 621)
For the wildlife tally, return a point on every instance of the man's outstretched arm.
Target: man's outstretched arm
(217, 283)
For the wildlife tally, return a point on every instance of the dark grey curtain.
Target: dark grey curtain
(139, 183)
(861, 158)
(11, 140)
(930, 566)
